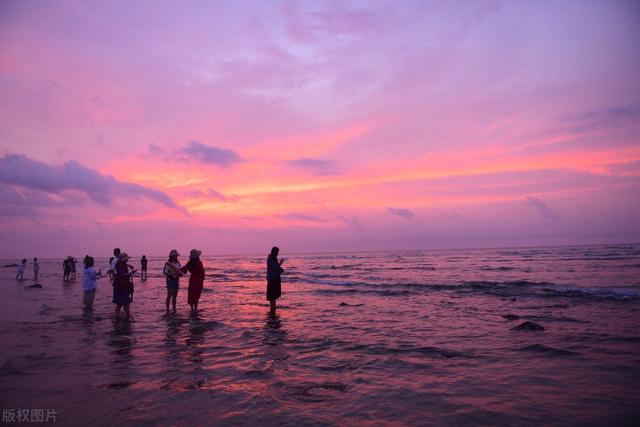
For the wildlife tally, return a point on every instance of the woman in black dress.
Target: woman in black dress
(274, 270)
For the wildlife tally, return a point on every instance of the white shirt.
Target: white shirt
(167, 271)
(89, 279)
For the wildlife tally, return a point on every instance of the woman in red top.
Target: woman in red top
(196, 279)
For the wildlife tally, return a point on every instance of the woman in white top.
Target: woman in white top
(172, 272)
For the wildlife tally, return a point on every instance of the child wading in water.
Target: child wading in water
(21, 267)
(89, 284)
(196, 280)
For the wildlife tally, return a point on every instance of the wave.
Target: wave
(617, 294)
(501, 268)
(512, 288)
(423, 351)
(540, 348)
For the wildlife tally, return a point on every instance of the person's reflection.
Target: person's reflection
(197, 329)
(89, 339)
(173, 348)
(273, 341)
(121, 340)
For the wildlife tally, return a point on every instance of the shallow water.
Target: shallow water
(384, 338)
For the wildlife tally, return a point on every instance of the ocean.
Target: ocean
(436, 337)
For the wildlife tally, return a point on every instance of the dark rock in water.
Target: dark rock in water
(344, 304)
(528, 326)
(9, 368)
(511, 316)
(119, 386)
(37, 285)
(10, 265)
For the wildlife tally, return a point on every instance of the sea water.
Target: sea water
(375, 338)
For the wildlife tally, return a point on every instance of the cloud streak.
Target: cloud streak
(545, 212)
(401, 212)
(301, 217)
(198, 152)
(313, 166)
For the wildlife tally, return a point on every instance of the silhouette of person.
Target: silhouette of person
(274, 270)
(143, 267)
(36, 270)
(122, 285)
(196, 279)
(66, 268)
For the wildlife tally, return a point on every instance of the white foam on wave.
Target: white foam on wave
(619, 294)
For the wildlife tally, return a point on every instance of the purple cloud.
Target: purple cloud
(544, 210)
(222, 157)
(612, 115)
(352, 221)
(14, 203)
(21, 171)
(198, 152)
(402, 212)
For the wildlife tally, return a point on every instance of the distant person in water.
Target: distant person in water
(172, 274)
(36, 270)
(66, 269)
(112, 269)
(132, 271)
(73, 263)
(20, 271)
(114, 259)
(112, 263)
(196, 279)
(143, 267)
(121, 285)
(89, 283)
(274, 270)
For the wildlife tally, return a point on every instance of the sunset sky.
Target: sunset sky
(317, 126)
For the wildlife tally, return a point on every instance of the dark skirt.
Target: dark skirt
(121, 296)
(194, 294)
(274, 289)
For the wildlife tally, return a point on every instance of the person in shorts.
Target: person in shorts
(172, 273)
(89, 283)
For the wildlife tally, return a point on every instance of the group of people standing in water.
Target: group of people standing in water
(121, 274)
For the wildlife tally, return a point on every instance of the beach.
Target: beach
(371, 338)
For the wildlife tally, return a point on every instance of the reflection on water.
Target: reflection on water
(121, 340)
(273, 342)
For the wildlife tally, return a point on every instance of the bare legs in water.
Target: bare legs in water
(127, 315)
(172, 294)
